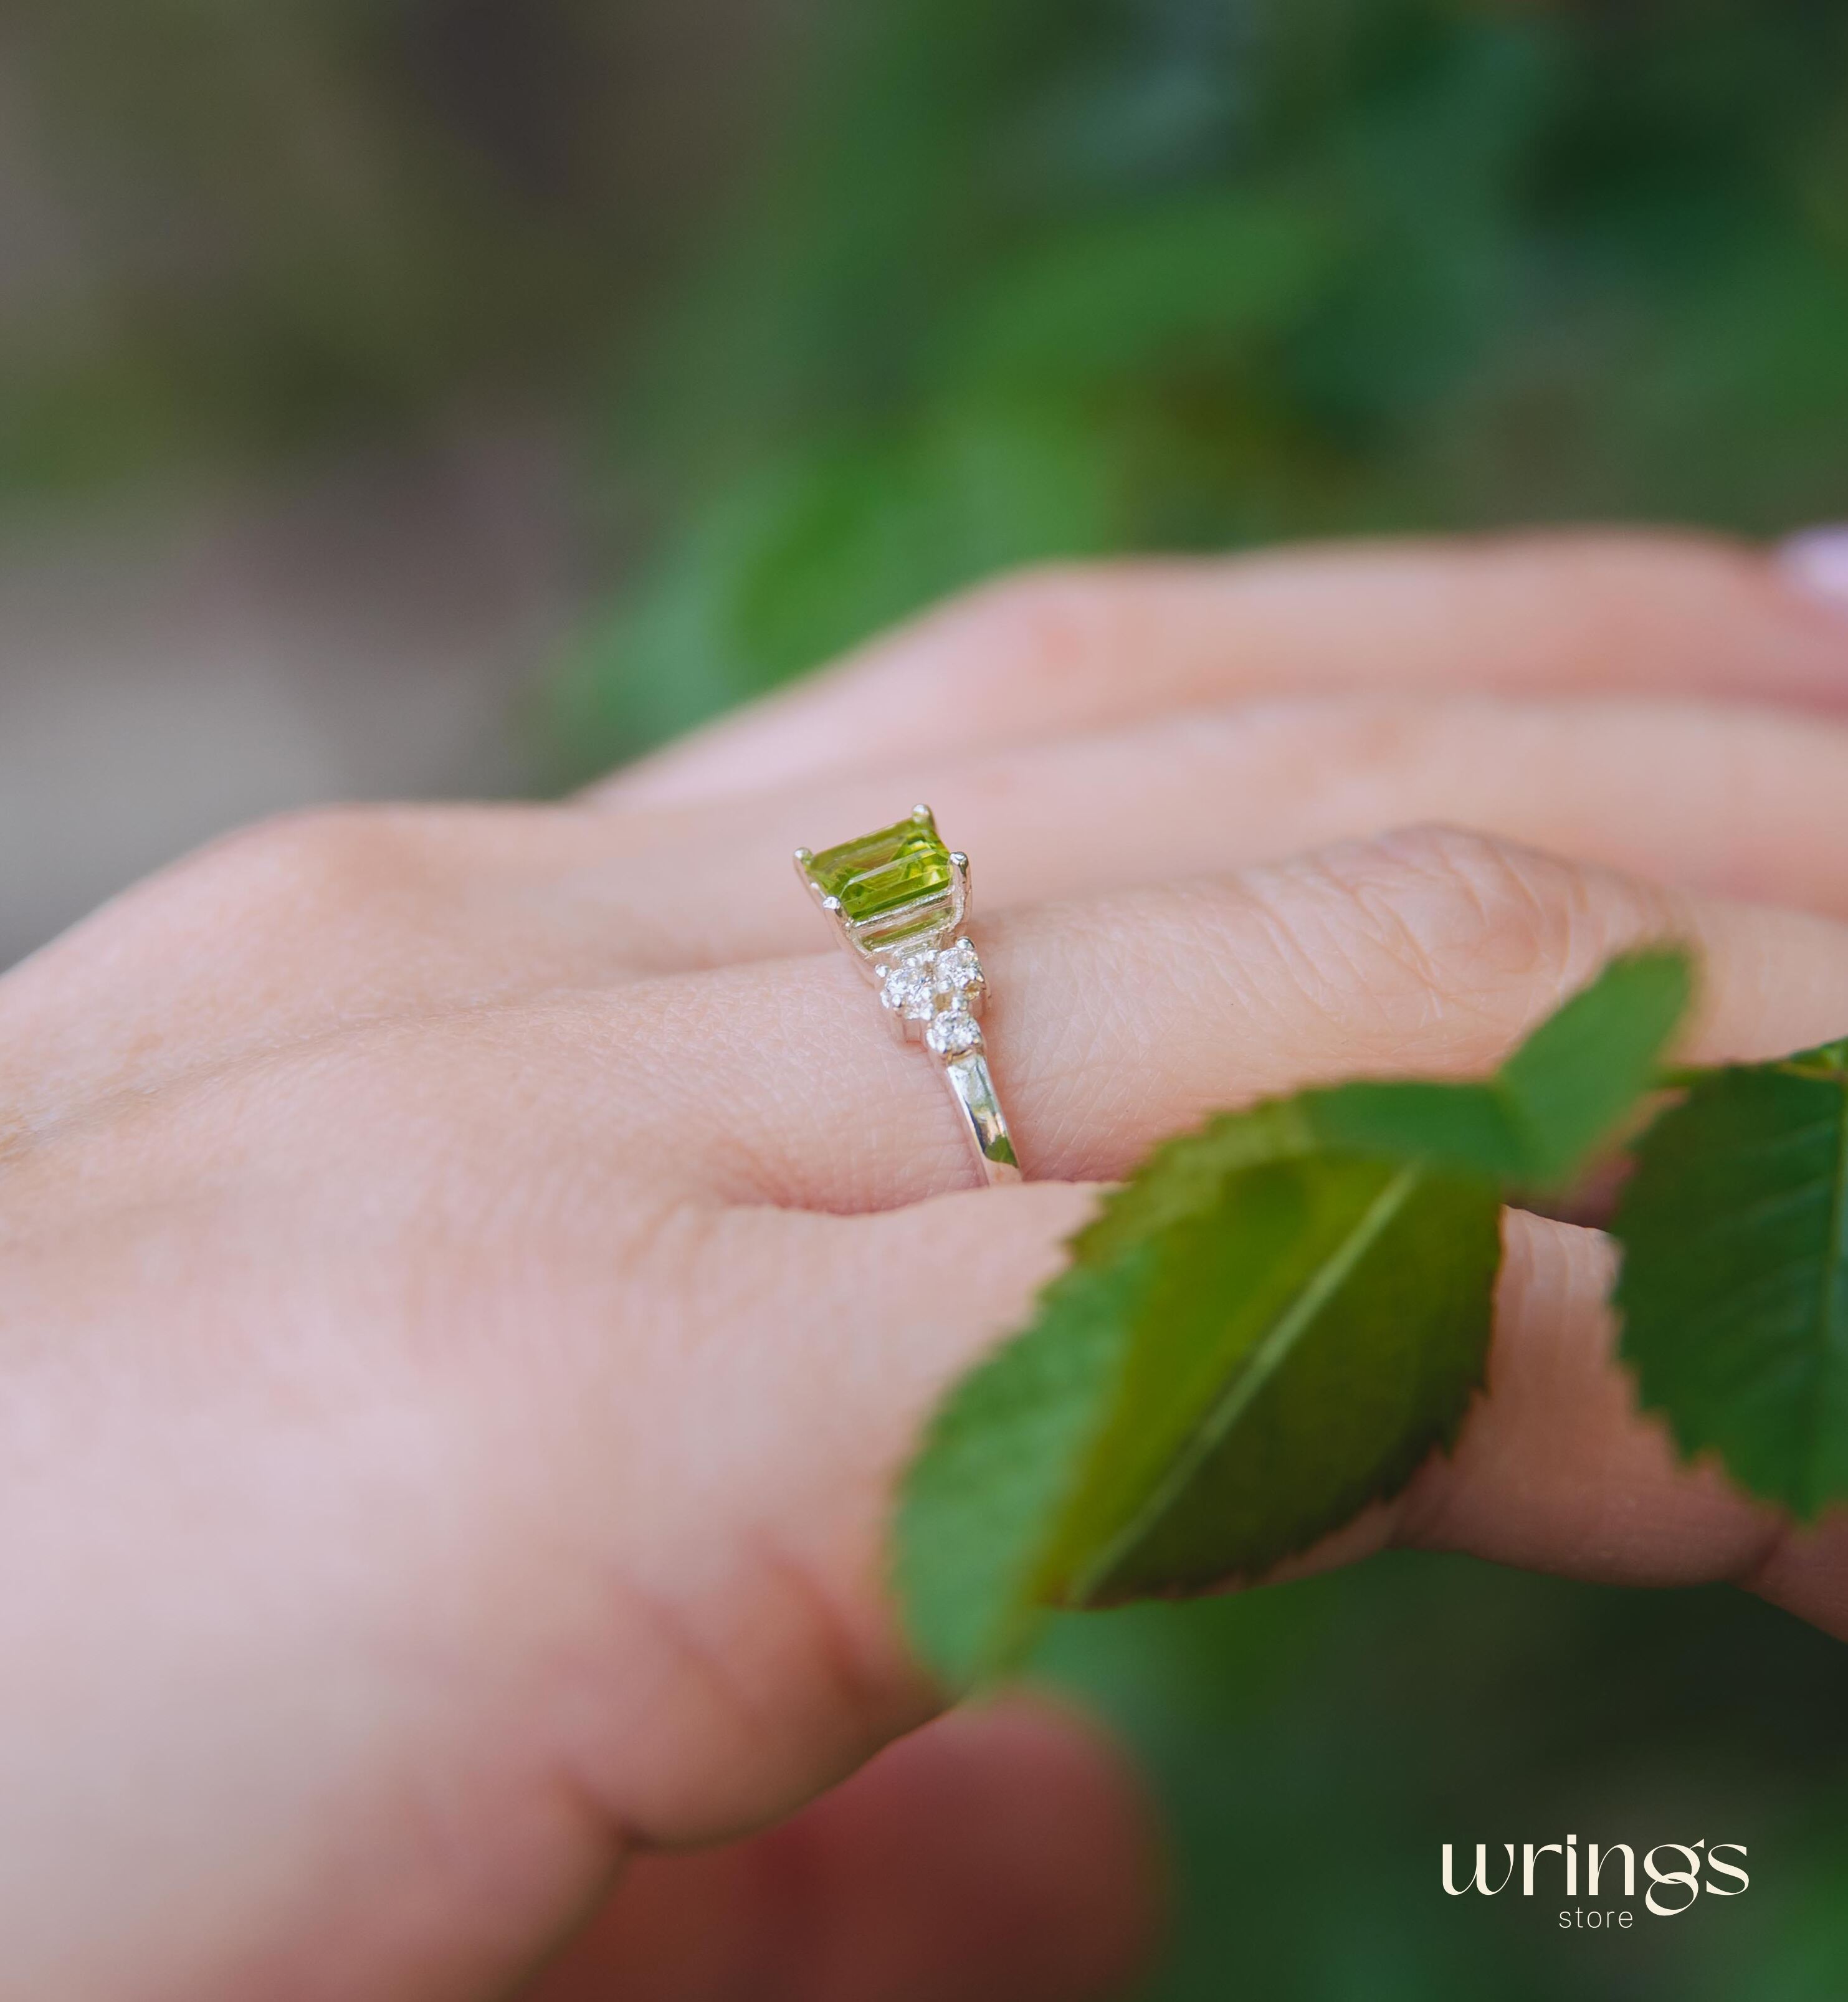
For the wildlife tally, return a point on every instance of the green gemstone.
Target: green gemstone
(883, 872)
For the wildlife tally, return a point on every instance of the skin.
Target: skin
(469, 1277)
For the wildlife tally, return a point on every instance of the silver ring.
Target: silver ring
(899, 898)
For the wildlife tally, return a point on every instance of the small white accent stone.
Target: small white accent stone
(909, 987)
(958, 968)
(954, 1034)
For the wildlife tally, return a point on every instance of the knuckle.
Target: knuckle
(241, 918)
(1465, 913)
(277, 893)
(1040, 623)
(309, 864)
(1440, 924)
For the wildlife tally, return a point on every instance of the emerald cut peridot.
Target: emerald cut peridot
(885, 872)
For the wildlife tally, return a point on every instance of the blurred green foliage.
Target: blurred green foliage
(1317, 1744)
(1055, 277)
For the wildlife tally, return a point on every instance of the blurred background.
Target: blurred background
(406, 396)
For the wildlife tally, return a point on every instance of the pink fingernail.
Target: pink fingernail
(1816, 562)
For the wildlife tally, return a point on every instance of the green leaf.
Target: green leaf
(1298, 1348)
(1734, 1285)
(1563, 1095)
(1272, 1323)
(996, 1465)
(1253, 1337)
(1571, 1084)
(1241, 1351)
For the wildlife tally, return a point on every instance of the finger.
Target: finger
(1557, 1470)
(1114, 1021)
(1737, 801)
(1003, 1854)
(292, 918)
(1062, 650)
(324, 921)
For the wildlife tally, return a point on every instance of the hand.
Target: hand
(468, 1277)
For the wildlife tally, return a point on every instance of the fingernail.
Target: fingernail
(1815, 560)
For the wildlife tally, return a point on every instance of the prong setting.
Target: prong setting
(899, 899)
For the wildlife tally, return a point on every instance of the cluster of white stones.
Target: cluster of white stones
(940, 987)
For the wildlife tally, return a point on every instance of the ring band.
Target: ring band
(899, 899)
